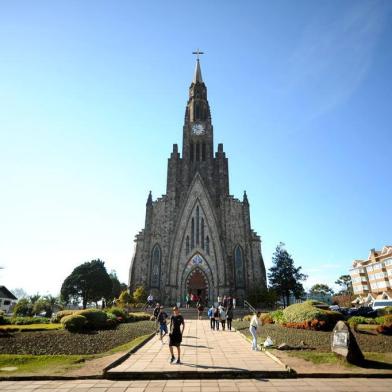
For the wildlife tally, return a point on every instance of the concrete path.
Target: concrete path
(219, 385)
(202, 351)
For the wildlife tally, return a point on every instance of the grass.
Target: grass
(33, 364)
(56, 364)
(323, 358)
(30, 327)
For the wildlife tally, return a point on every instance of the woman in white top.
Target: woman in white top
(254, 325)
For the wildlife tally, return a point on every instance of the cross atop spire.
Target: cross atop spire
(197, 76)
(197, 53)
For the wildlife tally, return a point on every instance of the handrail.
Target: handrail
(251, 308)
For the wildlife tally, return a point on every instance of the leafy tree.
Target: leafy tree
(139, 295)
(125, 298)
(346, 285)
(321, 289)
(46, 304)
(265, 297)
(23, 308)
(89, 282)
(284, 277)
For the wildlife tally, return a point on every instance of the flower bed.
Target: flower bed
(315, 340)
(64, 342)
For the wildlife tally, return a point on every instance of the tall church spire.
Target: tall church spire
(197, 76)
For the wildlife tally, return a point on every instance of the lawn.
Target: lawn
(315, 340)
(62, 342)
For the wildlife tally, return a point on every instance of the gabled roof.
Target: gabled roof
(5, 293)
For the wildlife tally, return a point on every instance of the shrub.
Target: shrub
(247, 317)
(277, 316)
(355, 320)
(96, 319)
(119, 313)
(23, 308)
(111, 321)
(266, 319)
(384, 319)
(138, 316)
(56, 318)
(74, 322)
(385, 311)
(4, 320)
(29, 320)
(301, 312)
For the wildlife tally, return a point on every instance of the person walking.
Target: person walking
(216, 318)
(150, 300)
(211, 316)
(230, 316)
(162, 317)
(200, 309)
(253, 326)
(222, 316)
(155, 313)
(187, 300)
(175, 335)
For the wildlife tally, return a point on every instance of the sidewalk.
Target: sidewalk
(203, 352)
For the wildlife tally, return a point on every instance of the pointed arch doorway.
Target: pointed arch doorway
(197, 283)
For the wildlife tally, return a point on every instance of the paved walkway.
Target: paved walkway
(202, 350)
(221, 385)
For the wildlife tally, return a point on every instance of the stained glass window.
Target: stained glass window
(208, 245)
(202, 233)
(193, 233)
(187, 244)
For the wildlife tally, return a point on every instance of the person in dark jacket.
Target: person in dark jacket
(216, 318)
(175, 335)
(229, 317)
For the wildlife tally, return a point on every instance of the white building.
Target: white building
(7, 300)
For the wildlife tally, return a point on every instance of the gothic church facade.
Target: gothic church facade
(197, 237)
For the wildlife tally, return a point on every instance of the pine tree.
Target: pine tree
(284, 277)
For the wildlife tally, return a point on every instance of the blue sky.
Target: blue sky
(93, 95)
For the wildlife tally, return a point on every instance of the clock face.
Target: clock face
(198, 129)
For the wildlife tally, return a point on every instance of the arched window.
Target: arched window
(202, 232)
(197, 151)
(155, 266)
(187, 244)
(197, 226)
(239, 267)
(191, 152)
(208, 245)
(203, 152)
(193, 233)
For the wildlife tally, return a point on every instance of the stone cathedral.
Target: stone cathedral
(197, 237)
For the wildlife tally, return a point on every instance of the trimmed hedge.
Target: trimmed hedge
(138, 316)
(56, 318)
(74, 322)
(277, 316)
(96, 319)
(29, 320)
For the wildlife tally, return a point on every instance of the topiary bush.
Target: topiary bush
(74, 322)
(266, 319)
(138, 316)
(277, 316)
(96, 319)
(247, 317)
(56, 318)
(306, 315)
(120, 314)
(111, 321)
